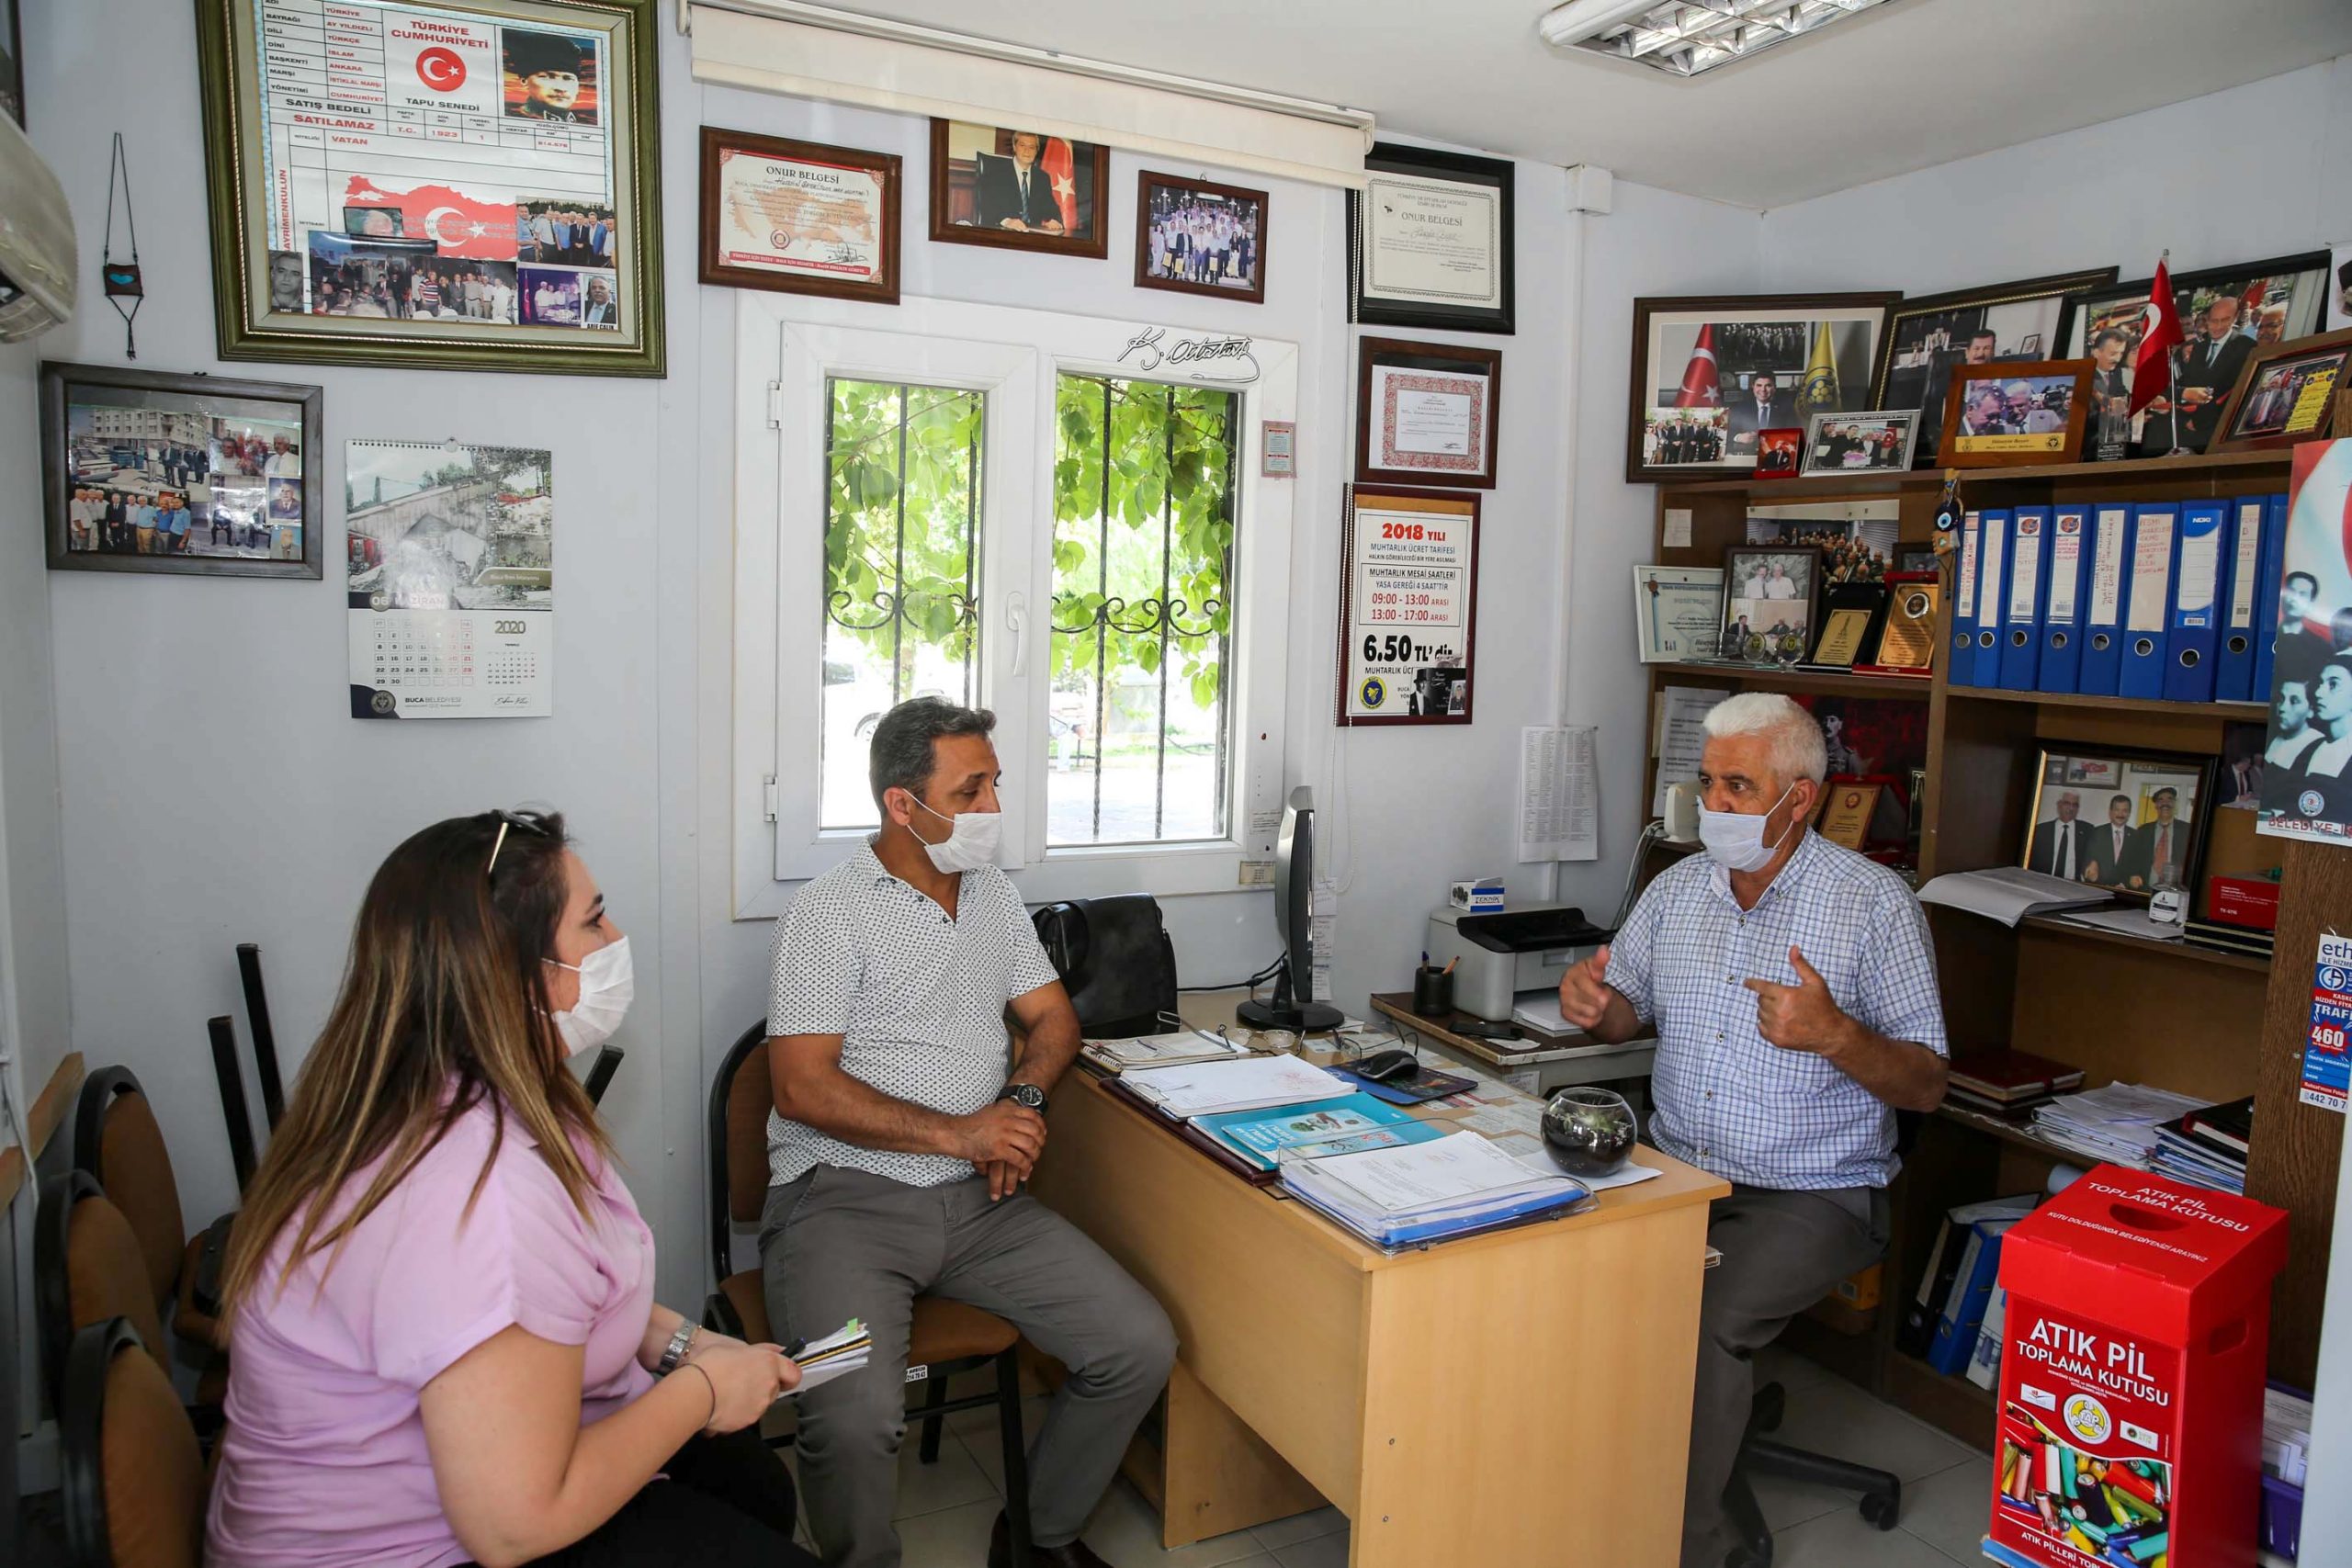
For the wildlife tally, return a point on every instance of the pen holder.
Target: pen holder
(1433, 991)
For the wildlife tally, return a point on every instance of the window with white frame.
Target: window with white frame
(1044, 514)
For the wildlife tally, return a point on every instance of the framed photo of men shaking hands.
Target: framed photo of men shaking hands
(2128, 822)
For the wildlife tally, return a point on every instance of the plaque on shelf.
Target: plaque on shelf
(1850, 619)
(1907, 639)
(1848, 804)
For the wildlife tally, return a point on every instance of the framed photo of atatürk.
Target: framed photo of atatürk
(190, 476)
(1431, 241)
(470, 188)
(2010, 414)
(2005, 323)
(1193, 237)
(2226, 314)
(1711, 373)
(2127, 821)
(1426, 412)
(1769, 591)
(799, 217)
(1018, 189)
(2286, 393)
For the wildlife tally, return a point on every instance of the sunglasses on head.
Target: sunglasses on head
(525, 820)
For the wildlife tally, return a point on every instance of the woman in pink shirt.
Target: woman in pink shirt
(444, 1342)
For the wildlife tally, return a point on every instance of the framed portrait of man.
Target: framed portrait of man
(2129, 822)
(1929, 337)
(1019, 188)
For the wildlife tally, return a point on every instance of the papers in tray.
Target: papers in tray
(2117, 1122)
(2128, 919)
(838, 1354)
(2009, 893)
(1184, 1045)
(1246, 1083)
(1447, 1187)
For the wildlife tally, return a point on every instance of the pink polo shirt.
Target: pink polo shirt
(324, 1461)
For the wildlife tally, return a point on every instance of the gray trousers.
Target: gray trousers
(839, 1244)
(1783, 1252)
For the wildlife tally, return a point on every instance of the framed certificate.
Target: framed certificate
(1426, 412)
(1430, 242)
(1408, 606)
(463, 188)
(1678, 613)
(799, 217)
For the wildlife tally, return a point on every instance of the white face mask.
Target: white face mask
(972, 839)
(1735, 840)
(607, 985)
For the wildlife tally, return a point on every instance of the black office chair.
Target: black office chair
(1881, 1490)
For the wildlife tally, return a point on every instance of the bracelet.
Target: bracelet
(713, 1392)
(676, 1351)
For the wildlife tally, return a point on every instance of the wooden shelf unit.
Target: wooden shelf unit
(2218, 1025)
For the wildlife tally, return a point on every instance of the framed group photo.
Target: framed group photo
(2127, 821)
(1018, 189)
(1711, 374)
(485, 201)
(2007, 414)
(1769, 591)
(799, 217)
(1431, 241)
(1426, 412)
(1860, 442)
(1932, 336)
(2288, 393)
(1193, 237)
(197, 476)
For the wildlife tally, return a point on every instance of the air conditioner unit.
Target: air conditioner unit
(38, 259)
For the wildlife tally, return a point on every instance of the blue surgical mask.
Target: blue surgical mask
(1735, 840)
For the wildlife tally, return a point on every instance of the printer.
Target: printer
(1496, 957)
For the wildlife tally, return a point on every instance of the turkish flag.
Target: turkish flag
(1700, 387)
(1061, 172)
(2152, 361)
(459, 226)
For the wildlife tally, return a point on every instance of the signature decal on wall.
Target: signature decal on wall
(1226, 359)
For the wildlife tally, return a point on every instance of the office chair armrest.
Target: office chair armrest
(205, 1295)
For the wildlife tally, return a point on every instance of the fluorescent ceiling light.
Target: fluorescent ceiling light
(1683, 37)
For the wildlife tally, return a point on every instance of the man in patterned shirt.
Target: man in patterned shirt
(1793, 988)
(898, 1148)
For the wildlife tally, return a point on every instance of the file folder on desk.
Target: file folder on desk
(2266, 607)
(2110, 539)
(2194, 635)
(1991, 589)
(2067, 551)
(2147, 599)
(2022, 603)
(1960, 665)
(2243, 619)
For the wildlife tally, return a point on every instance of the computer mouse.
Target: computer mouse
(1383, 1065)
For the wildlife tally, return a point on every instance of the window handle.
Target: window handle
(1016, 620)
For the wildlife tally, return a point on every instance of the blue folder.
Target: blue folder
(2148, 598)
(2266, 599)
(2193, 638)
(1960, 665)
(2242, 616)
(2022, 604)
(2067, 564)
(1991, 589)
(2110, 549)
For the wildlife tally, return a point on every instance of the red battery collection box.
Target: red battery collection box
(2137, 1331)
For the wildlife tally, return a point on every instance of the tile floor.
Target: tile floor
(945, 1510)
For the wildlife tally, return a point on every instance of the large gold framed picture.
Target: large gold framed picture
(468, 187)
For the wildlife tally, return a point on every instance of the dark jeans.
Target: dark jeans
(726, 1500)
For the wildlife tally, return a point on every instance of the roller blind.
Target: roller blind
(771, 54)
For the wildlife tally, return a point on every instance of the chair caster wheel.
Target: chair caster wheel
(1880, 1508)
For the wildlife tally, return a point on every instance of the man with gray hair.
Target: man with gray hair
(900, 1139)
(1793, 988)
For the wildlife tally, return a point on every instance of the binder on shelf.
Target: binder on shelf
(2109, 537)
(2266, 597)
(1960, 668)
(2147, 599)
(1992, 589)
(1972, 1291)
(2193, 637)
(2066, 549)
(2022, 604)
(2241, 619)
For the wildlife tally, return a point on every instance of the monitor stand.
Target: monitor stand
(1280, 1010)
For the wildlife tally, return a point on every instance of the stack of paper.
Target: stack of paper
(2009, 893)
(1419, 1193)
(1245, 1083)
(838, 1354)
(2116, 1122)
(1184, 1046)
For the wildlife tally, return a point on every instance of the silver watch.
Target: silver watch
(676, 1351)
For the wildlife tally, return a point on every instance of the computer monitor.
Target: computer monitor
(1294, 914)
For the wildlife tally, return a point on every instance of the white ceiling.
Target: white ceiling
(1901, 87)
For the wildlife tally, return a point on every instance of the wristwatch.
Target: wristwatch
(676, 1351)
(1025, 1094)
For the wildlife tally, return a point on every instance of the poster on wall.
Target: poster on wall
(1408, 606)
(2307, 769)
(2325, 1075)
(450, 574)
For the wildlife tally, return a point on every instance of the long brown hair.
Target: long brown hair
(443, 1007)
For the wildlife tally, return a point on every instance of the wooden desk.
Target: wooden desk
(1511, 1399)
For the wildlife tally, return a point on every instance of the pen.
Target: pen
(792, 1351)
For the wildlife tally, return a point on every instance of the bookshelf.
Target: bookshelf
(2218, 1025)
